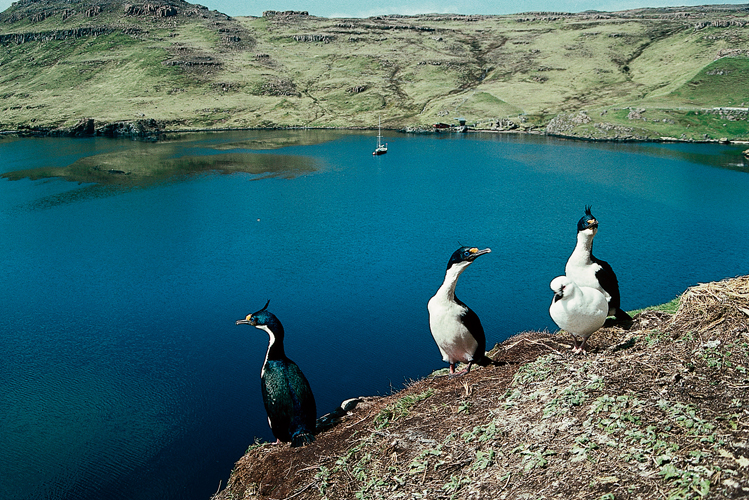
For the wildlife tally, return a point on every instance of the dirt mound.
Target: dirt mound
(658, 410)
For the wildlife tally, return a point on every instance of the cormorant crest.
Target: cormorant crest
(583, 223)
(262, 315)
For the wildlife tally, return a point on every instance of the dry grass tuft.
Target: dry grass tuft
(723, 304)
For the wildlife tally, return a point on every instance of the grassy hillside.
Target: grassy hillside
(188, 67)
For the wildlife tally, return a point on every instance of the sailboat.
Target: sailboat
(381, 148)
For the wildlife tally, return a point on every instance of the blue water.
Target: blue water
(122, 373)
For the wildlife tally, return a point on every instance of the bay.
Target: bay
(122, 373)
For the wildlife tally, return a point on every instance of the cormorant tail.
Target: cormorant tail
(621, 315)
(301, 438)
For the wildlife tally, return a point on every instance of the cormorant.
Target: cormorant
(287, 395)
(587, 270)
(455, 327)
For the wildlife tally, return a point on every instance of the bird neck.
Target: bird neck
(447, 290)
(275, 344)
(584, 247)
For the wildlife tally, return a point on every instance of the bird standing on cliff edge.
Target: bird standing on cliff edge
(581, 311)
(455, 327)
(287, 395)
(586, 270)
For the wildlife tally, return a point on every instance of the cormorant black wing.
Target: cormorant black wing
(607, 278)
(288, 400)
(472, 322)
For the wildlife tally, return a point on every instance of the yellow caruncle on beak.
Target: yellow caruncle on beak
(249, 317)
(474, 250)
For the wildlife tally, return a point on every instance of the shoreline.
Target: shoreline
(152, 132)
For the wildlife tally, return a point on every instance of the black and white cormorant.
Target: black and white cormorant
(287, 395)
(578, 310)
(587, 270)
(455, 327)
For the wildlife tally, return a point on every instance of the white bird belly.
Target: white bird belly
(455, 342)
(580, 317)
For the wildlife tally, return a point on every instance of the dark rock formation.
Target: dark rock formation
(46, 36)
(145, 130)
(285, 13)
(314, 38)
(148, 9)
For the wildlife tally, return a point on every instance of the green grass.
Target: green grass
(399, 409)
(490, 68)
(724, 82)
(667, 307)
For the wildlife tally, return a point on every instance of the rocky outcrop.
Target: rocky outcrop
(505, 124)
(279, 87)
(148, 9)
(314, 38)
(193, 61)
(285, 13)
(564, 123)
(721, 23)
(46, 36)
(142, 130)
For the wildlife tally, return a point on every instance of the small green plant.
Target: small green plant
(483, 433)
(583, 447)
(686, 483)
(256, 444)
(399, 409)
(483, 460)
(455, 483)
(464, 407)
(536, 371)
(686, 417)
(571, 396)
(534, 458)
(654, 336)
(421, 462)
(322, 477)
(713, 356)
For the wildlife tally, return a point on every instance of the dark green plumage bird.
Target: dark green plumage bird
(287, 396)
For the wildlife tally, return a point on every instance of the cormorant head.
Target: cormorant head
(264, 320)
(560, 286)
(587, 222)
(465, 255)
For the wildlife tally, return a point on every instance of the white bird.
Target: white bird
(579, 310)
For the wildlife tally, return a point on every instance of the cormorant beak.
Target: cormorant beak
(475, 252)
(246, 321)
(593, 223)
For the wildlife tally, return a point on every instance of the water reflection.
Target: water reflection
(124, 166)
(140, 168)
